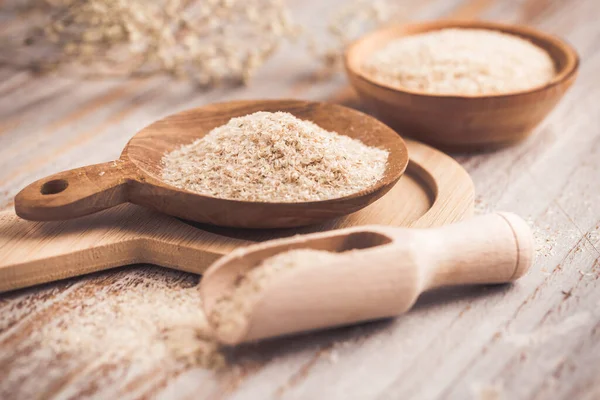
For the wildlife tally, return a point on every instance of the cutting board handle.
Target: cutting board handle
(75, 193)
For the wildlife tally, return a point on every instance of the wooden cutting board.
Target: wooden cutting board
(435, 190)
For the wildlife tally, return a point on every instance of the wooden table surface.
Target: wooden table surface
(536, 339)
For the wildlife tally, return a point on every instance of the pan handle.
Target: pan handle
(75, 193)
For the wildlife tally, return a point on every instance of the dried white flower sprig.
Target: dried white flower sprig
(209, 41)
(348, 23)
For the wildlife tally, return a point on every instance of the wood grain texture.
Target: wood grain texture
(461, 122)
(434, 191)
(536, 339)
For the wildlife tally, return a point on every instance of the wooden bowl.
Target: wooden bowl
(136, 176)
(460, 122)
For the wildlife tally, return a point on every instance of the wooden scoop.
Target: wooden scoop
(388, 269)
(136, 176)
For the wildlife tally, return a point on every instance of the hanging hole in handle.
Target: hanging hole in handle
(54, 186)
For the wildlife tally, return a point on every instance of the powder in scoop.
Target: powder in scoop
(274, 157)
(461, 62)
(232, 309)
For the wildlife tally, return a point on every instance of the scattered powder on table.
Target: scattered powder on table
(135, 319)
(461, 62)
(274, 157)
(113, 330)
(232, 309)
(137, 323)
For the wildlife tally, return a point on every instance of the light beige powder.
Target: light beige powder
(107, 334)
(232, 309)
(274, 157)
(461, 62)
(143, 321)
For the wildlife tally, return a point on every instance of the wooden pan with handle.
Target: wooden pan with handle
(136, 176)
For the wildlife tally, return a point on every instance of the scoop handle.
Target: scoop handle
(74, 193)
(493, 248)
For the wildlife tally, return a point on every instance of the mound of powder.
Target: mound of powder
(461, 62)
(231, 310)
(105, 334)
(274, 157)
(149, 319)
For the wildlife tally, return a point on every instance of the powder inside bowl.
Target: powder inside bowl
(461, 62)
(232, 309)
(274, 157)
